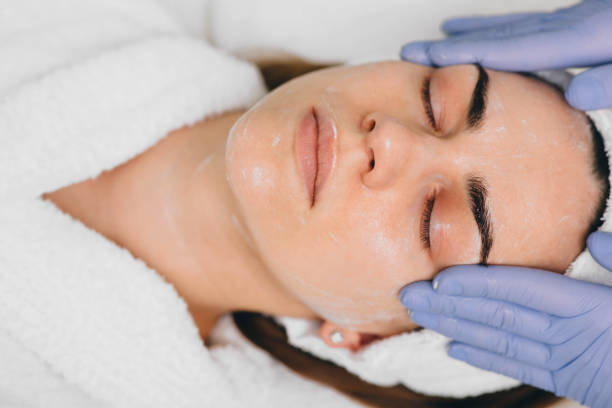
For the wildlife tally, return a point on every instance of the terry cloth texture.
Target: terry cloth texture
(86, 85)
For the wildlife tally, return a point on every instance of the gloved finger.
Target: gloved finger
(535, 289)
(464, 24)
(419, 51)
(511, 318)
(591, 89)
(600, 247)
(416, 52)
(465, 48)
(513, 51)
(497, 314)
(487, 338)
(486, 360)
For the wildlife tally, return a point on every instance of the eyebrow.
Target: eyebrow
(478, 195)
(479, 99)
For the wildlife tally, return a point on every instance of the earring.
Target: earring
(336, 337)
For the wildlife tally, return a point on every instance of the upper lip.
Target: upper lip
(315, 150)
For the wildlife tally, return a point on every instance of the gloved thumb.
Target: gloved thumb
(591, 89)
(600, 247)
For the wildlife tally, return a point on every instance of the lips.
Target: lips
(315, 151)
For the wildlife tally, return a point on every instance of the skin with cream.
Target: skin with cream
(315, 204)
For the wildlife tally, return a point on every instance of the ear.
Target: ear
(345, 338)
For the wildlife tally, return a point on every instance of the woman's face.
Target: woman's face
(342, 221)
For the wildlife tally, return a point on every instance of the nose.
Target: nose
(394, 150)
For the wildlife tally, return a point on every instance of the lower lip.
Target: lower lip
(306, 151)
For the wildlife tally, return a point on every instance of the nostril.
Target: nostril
(372, 161)
(371, 125)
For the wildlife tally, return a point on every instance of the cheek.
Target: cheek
(259, 172)
(250, 173)
(351, 275)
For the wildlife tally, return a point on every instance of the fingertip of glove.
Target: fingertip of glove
(416, 52)
(452, 26)
(437, 53)
(599, 242)
(452, 52)
(457, 351)
(591, 240)
(448, 287)
(446, 282)
(586, 93)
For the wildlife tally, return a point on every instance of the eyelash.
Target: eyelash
(426, 97)
(426, 220)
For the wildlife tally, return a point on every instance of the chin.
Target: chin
(254, 172)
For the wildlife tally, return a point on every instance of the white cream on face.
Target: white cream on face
(238, 225)
(243, 123)
(530, 133)
(352, 314)
(170, 214)
(495, 102)
(334, 238)
(384, 246)
(356, 323)
(203, 164)
(371, 308)
(250, 172)
(260, 177)
(243, 120)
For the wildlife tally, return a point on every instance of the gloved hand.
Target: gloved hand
(542, 328)
(578, 36)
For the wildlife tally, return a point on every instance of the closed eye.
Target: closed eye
(426, 221)
(426, 98)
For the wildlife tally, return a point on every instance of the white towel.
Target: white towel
(91, 84)
(417, 360)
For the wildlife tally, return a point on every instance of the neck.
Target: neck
(172, 207)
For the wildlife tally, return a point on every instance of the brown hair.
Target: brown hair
(264, 332)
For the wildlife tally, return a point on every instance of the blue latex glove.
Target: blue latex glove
(542, 328)
(578, 36)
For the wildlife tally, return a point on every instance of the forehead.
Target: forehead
(537, 154)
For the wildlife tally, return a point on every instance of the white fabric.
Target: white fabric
(85, 85)
(417, 360)
(337, 31)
